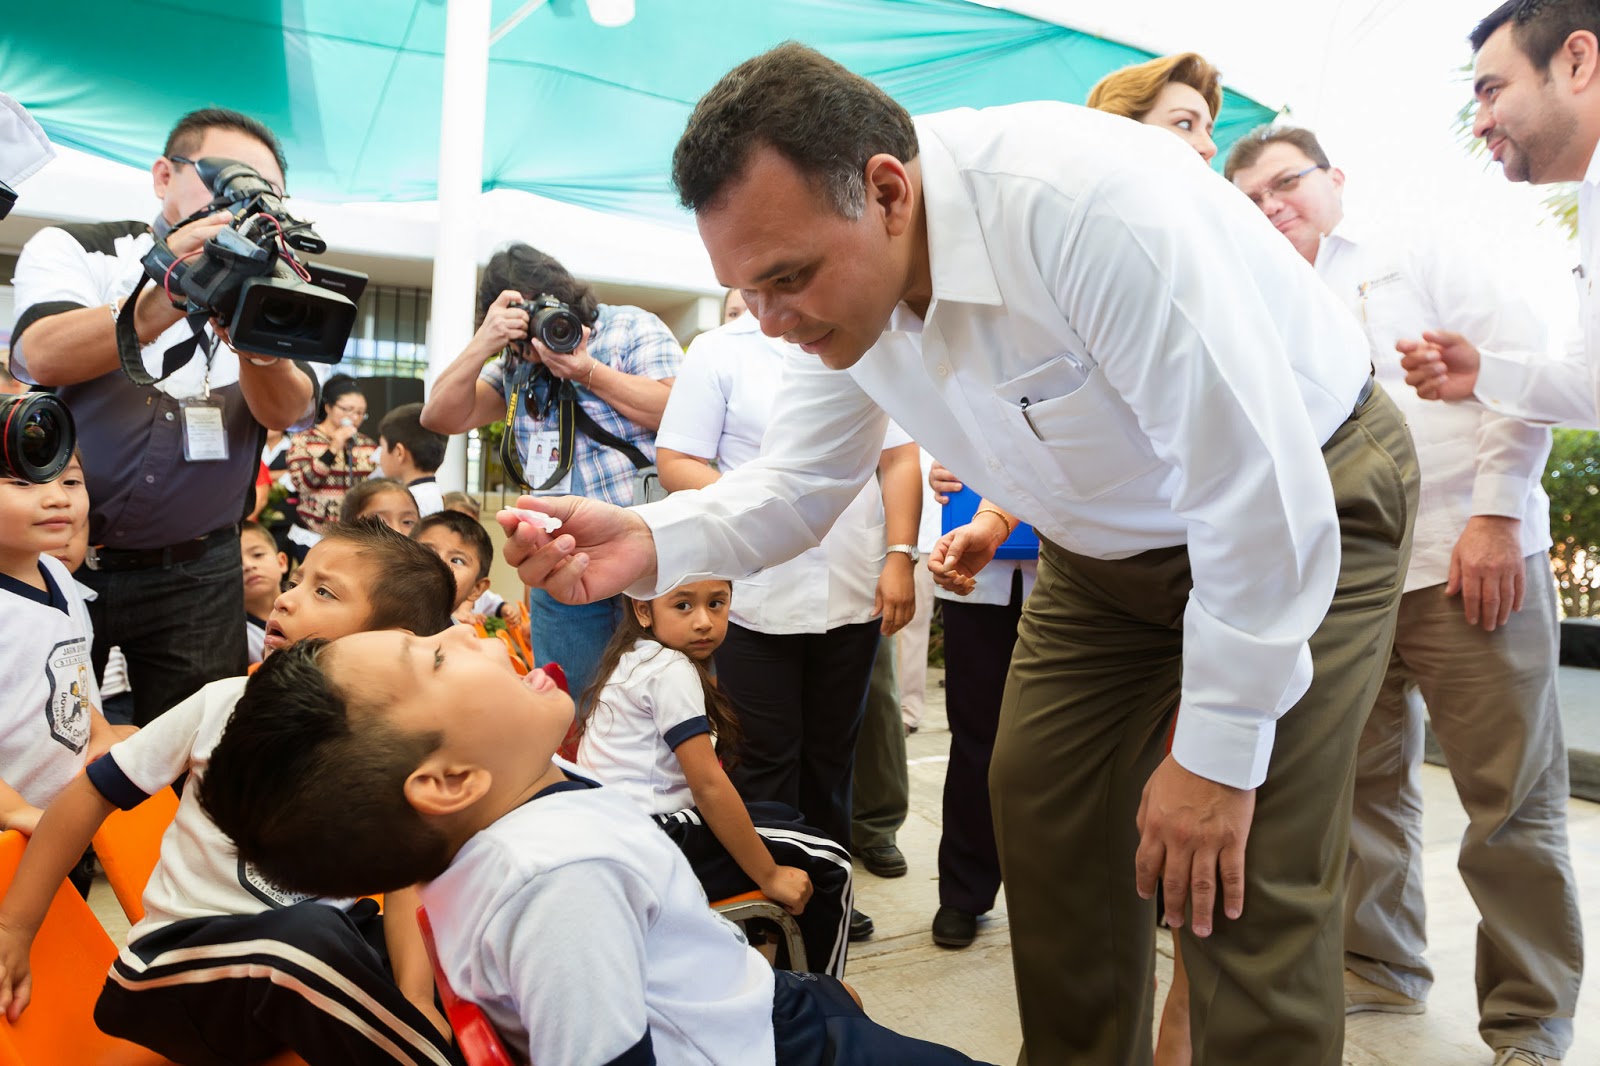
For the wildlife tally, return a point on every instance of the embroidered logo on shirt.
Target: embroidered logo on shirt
(256, 883)
(66, 711)
(1365, 288)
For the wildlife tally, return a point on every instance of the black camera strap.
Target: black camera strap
(129, 349)
(571, 420)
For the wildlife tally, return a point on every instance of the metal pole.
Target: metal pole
(466, 86)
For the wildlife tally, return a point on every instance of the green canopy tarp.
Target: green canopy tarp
(576, 111)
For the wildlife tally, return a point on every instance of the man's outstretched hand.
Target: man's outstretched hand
(1441, 366)
(598, 551)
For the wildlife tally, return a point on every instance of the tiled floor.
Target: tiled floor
(965, 998)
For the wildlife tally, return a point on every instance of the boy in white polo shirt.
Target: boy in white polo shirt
(225, 966)
(558, 907)
(51, 708)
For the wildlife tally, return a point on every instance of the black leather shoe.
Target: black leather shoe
(953, 928)
(887, 861)
(860, 926)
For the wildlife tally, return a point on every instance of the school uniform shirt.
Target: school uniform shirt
(255, 638)
(580, 930)
(425, 490)
(199, 874)
(652, 702)
(1565, 389)
(720, 408)
(47, 682)
(1473, 461)
(1121, 350)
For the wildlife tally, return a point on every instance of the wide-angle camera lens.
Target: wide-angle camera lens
(36, 437)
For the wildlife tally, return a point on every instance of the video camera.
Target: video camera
(557, 325)
(36, 437)
(249, 277)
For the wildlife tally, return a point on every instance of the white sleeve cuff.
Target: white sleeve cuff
(1499, 494)
(1230, 751)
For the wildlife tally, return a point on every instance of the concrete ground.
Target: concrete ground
(966, 998)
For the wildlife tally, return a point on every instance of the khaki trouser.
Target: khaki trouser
(1492, 699)
(1092, 689)
(911, 651)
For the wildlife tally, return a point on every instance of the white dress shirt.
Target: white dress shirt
(719, 408)
(1548, 391)
(1473, 461)
(1121, 350)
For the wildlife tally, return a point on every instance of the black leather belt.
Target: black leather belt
(1364, 395)
(113, 560)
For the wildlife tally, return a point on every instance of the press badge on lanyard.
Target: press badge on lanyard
(205, 437)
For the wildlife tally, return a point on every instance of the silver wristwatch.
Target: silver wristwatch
(909, 549)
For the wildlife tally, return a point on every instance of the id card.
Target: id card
(544, 456)
(205, 438)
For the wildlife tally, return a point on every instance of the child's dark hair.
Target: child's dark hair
(415, 591)
(461, 501)
(363, 491)
(259, 530)
(719, 709)
(309, 781)
(403, 425)
(468, 529)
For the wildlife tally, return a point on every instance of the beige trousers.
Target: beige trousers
(1093, 685)
(1492, 701)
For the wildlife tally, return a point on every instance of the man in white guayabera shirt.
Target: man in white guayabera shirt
(1111, 343)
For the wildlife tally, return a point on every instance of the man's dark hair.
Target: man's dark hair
(190, 131)
(523, 268)
(403, 425)
(468, 529)
(1247, 149)
(415, 589)
(308, 779)
(1539, 27)
(819, 116)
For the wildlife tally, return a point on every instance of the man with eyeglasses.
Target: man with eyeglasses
(1476, 636)
(171, 466)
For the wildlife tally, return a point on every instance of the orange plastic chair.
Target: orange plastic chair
(480, 1045)
(70, 958)
(755, 904)
(128, 845)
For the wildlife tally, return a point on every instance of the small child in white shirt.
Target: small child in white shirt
(51, 722)
(556, 906)
(264, 568)
(648, 730)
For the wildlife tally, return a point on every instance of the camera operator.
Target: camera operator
(170, 466)
(621, 369)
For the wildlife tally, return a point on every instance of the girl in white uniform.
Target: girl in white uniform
(648, 731)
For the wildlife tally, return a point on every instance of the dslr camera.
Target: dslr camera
(249, 276)
(36, 437)
(556, 325)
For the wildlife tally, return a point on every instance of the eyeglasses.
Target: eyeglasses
(353, 412)
(186, 161)
(1279, 186)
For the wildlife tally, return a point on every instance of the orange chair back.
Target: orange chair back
(480, 1045)
(128, 845)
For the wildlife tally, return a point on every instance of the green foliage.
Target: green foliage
(1572, 479)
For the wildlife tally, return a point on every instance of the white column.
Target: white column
(466, 82)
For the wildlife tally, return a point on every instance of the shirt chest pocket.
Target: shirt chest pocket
(1092, 441)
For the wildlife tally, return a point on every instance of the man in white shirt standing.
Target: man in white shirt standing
(1537, 82)
(1476, 636)
(1105, 338)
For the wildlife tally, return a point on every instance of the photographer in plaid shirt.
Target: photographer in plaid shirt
(621, 371)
